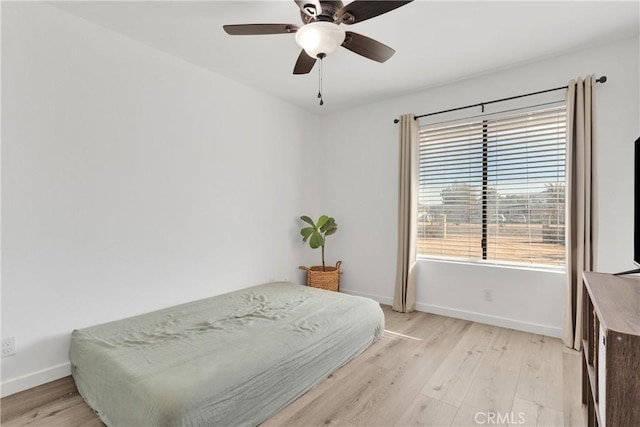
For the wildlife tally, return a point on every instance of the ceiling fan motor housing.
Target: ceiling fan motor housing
(328, 14)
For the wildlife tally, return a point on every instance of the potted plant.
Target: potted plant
(316, 233)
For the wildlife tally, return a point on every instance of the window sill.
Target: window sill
(491, 264)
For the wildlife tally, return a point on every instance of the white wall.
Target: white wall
(361, 190)
(132, 181)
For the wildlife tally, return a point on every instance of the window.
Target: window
(493, 189)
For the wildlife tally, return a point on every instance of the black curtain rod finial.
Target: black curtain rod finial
(602, 79)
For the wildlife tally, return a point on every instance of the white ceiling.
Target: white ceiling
(436, 42)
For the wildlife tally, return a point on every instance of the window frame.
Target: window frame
(485, 121)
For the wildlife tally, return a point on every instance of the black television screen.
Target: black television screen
(636, 209)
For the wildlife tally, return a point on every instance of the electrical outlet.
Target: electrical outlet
(488, 295)
(8, 346)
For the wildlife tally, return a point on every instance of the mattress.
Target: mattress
(229, 360)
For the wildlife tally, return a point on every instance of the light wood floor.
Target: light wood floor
(425, 370)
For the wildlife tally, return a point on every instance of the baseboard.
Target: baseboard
(379, 298)
(503, 322)
(34, 379)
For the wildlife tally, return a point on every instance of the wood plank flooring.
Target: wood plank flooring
(426, 370)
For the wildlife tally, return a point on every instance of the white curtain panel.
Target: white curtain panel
(404, 299)
(581, 221)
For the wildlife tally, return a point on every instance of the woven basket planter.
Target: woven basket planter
(328, 279)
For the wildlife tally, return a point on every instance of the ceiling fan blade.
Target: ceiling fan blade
(310, 7)
(367, 47)
(304, 64)
(361, 10)
(256, 29)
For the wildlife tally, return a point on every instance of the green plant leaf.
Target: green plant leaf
(328, 224)
(331, 231)
(316, 240)
(321, 221)
(308, 220)
(306, 232)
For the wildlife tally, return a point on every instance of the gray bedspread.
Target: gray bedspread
(229, 360)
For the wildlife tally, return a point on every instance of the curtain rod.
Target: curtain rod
(482, 104)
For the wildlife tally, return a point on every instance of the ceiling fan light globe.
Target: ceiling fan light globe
(320, 38)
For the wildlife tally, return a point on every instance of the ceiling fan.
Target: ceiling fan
(321, 34)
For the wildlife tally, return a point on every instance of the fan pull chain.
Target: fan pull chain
(321, 56)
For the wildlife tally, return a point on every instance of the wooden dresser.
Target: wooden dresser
(611, 349)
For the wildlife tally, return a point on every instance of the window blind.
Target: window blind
(493, 189)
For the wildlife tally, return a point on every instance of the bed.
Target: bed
(229, 360)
